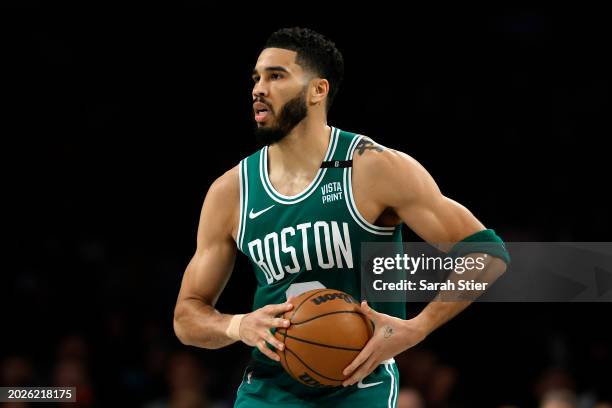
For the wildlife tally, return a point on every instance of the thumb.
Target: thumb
(371, 313)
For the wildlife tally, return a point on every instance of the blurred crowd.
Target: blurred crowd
(182, 377)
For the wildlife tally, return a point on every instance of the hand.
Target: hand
(255, 328)
(391, 337)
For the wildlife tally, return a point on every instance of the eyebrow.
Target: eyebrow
(274, 68)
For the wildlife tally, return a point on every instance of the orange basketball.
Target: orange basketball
(327, 332)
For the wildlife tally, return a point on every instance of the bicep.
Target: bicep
(208, 272)
(420, 204)
(440, 220)
(211, 266)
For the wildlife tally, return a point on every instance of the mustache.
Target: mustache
(260, 100)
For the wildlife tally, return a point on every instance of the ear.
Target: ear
(319, 88)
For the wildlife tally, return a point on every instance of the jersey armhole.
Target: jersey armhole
(244, 202)
(350, 201)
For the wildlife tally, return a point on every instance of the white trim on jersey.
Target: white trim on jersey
(246, 202)
(348, 188)
(393, 392)
(241, 204)
(284, 199)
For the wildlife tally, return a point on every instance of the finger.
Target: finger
(279, 308)
(274, 341)
(265, 350)
(360, 359)
(278, 322)
(362, 372)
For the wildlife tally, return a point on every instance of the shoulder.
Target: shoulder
(388, 171)
(226, 185)
(223, 196)
(220, 211)
(380, 161)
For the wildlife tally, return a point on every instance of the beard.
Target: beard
(290, 115)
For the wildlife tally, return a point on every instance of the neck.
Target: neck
(301, 152)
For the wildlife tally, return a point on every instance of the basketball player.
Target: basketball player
(299, 209)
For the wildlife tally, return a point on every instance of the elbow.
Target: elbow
(179, 327)
(178, 332)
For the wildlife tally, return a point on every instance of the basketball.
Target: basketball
(328, 330)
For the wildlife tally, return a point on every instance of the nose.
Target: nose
(259, 89)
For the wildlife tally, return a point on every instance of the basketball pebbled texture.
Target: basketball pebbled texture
(328, 330)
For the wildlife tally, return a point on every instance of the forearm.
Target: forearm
(446, 306)
(201, 325)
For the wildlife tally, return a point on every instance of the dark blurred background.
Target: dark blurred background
(116, 123)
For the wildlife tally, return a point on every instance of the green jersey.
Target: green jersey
(309, 240)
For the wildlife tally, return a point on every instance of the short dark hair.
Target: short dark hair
(315, 53)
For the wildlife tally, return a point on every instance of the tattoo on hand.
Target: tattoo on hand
(388, 332)
(367, 144)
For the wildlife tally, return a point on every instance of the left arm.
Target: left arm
(415, 197)
(405, 189)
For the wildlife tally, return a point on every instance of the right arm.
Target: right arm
(196, 321)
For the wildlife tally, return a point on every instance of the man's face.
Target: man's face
(279, 94)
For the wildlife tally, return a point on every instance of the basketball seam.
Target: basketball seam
(326, 314)
(304, 301)
(321, 344)
(286, 362)
(307, 366)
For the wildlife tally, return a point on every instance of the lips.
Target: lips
(261, 116)
(262, 111)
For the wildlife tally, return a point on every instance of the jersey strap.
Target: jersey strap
(350, 201)
(336, 164)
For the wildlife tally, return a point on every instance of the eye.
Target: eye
(255, 79)
(275, 76)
